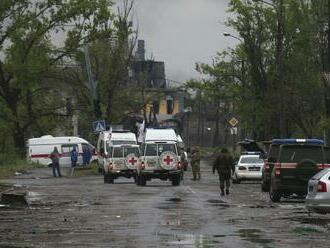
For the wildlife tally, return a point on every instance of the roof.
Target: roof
(298, 141)
(123, 136)
(160, 135)
(48, 139)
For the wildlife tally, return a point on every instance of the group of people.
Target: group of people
(223, 164)
(55, 158)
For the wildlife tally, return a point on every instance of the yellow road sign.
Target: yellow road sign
(233, 122)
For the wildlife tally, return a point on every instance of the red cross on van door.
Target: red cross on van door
(168, 160)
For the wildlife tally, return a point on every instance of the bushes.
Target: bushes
(10, 163)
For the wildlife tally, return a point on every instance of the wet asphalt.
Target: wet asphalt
(85, 212)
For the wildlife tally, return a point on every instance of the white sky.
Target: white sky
(182, 32)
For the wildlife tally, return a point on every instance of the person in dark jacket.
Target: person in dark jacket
(74, 159)
(55, 157)
(87, 155)
(224, 164)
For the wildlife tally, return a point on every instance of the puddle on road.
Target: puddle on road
(188, 240)
(175, 199)
(254, 236)
(219, 203)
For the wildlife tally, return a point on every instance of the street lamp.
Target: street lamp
(233, 36)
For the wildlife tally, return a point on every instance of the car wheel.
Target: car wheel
(274, 195)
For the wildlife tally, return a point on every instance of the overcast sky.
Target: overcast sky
(182, 32)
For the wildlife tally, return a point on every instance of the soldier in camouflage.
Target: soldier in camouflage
(224, 164)
(195, 164)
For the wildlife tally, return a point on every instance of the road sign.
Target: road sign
(99, 126)
(233, 122)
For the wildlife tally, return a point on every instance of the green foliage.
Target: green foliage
(11, 163)
(247, 78)
(32, 98)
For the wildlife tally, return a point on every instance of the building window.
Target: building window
(170, 105)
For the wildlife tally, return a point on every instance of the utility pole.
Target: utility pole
(92, 84)
(327, 81)
(279, 79)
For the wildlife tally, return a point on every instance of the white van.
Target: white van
(159, 157)
(122, 161)
(107, 139)
(39, 149)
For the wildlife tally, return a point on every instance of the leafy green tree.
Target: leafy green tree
(27, 97)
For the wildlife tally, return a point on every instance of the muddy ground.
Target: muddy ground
(85, 212)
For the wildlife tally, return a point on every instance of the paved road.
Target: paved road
(85, 212)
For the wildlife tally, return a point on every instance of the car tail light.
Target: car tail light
(321, 187)
(179, 165)
(241, 168)
(277, 169)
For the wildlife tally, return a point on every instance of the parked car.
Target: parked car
(297, 162)
(248, 168)
(318, 197)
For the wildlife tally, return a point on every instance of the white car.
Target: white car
(318, 197)
(249, 167)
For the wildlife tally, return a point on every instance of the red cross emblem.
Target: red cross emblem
(132, 161)
(168, 160)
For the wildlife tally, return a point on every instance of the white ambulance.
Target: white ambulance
(107, 140)
(39, 149)
(159, 157)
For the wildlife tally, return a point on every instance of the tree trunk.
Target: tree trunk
(217, 124)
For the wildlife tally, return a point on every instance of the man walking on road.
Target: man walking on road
(55, 157)
(224, 164)
(195, 164)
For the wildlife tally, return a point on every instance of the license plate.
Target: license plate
(254, 169)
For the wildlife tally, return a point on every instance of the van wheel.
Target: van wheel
(137, 180)
(176, 181)
(143, 181)
(108, 178)
(274, 195)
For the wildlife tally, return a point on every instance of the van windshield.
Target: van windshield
(151, 150)
(130, 150)
(166, 148)
(295, 154)
(117, 152)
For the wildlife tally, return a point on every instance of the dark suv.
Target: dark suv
(297, 161)
(273, 154)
